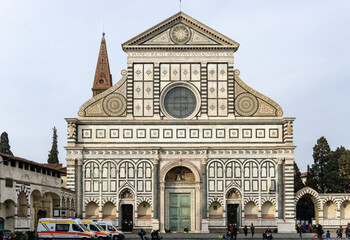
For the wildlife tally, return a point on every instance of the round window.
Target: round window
(180, 102)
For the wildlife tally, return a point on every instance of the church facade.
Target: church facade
(180, 140)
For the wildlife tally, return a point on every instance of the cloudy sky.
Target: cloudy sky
(296, 52)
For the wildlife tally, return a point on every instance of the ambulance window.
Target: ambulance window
(111, 228)
(62, 227)
(103, 227)
(83, 227)
(77, 228)
(94, 228)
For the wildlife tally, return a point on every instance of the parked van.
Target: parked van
(108, 226)
(49, 228)
(93, 226)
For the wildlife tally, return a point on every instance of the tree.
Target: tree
(344, 170)
(4, 144)
(332, 178)
(53, 154)
(298, 183)
(321, 157)
(311, 177)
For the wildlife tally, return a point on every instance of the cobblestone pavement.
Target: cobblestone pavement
(194, 236)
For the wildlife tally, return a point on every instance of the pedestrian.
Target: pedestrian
(252, 229)
(231, 232)
(24, 236)
(245, 230)
(319, 231)
(340, 232)
(186, 229)
(328, 235)
(235, 231)
(142, 234)
(264, 236)
(347, 231)
(155, 235)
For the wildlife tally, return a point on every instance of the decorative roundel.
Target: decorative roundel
(114, 104)
(180, 34)
(246, 104)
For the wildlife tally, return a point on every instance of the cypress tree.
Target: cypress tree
(311, 177)
(298, 183)
(321, 157)
(53, 153)
(4, 144)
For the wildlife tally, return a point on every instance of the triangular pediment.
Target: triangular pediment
(180, 31)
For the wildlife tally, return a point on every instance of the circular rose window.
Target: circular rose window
(180, 102)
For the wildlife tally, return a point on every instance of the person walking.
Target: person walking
(319, 231)
(340, 232)
(245, 230)
(252, 229)
(142, 234)
(24, 236)
(235, 231)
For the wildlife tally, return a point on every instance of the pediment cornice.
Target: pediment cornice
(211, 38)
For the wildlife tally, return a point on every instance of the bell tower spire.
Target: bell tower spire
(103, 77)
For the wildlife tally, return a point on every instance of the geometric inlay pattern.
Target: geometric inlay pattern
(114, 104)
(246, 104)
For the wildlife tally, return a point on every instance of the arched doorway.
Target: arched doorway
(305, 209)
(127, 210)
(233, 201)
(307, 204)
(9, 223)
(180, 198)
(40, 214)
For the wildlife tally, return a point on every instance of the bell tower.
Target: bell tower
(103, 77)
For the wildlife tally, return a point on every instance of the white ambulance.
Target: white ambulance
(96, 229)
(50, 228)
(108, 226)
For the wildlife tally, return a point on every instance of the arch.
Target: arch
(251, 210)
(345, 210)
(92, 211)
(269, 199)
(126, 193)
(88, 200)
(144, 199)
(22, 205)
(215, 199)
(109, 169)
(109, 199)
(109, 211)
(171, 165)
(268, 210)
(267, 169)
(251, 199)
(308, 191)
(215, 169)
(330, 210)
(233, 169)
(233, 193)
(216, 210)
(9, 206)
(179, 174)
(144, 211)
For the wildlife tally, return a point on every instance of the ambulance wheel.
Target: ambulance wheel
(115, 237)
(100, 238)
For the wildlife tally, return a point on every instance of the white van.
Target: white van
(49, 228)
(108, 226)
(97, 230)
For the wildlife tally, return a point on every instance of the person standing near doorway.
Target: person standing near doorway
(252, 229)
(245, 230)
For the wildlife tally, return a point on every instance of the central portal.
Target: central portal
(179, 211)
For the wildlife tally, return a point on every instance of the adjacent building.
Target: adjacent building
(29, 191)
(180, 140)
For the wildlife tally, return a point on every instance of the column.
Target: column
(79, 187)
(205, 222)
(155, 218)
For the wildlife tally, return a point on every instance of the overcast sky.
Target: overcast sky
(295, 52)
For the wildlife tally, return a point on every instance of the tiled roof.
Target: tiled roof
(32, 162)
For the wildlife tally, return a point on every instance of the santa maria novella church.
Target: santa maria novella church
(180, 140)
